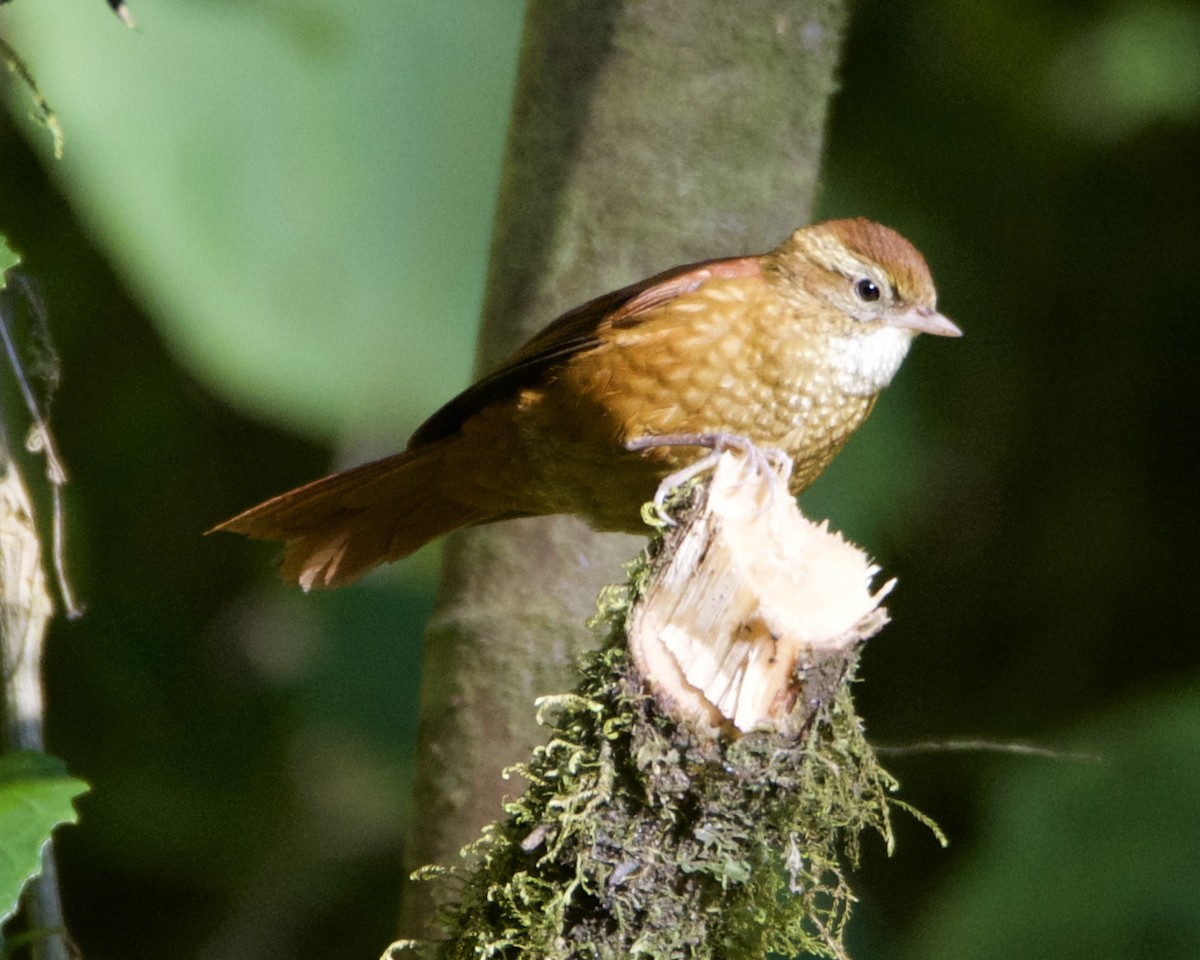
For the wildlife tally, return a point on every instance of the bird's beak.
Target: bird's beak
(925, 320)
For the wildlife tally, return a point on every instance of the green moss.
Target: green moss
(638, 836)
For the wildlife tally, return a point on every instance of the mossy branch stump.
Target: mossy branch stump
(708, 779)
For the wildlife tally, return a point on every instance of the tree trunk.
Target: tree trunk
(645, 133)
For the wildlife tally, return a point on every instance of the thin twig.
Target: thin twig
(122, 11)
(985, 746)
(41, 112)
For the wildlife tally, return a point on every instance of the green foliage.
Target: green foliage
(301, 191)
(35, 797)
(638, 836)
(1086, 860)
(1137, 66)
(8, 260)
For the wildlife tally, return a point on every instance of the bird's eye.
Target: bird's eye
(866, 290)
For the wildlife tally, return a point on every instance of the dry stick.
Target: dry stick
(41, 440)
(25, 609)
(643, 135)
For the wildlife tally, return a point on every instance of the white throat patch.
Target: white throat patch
(866, 363)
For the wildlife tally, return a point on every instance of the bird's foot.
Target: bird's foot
(771, 461)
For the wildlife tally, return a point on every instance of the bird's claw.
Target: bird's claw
(771, 461)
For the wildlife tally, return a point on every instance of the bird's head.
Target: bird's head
(867, 272)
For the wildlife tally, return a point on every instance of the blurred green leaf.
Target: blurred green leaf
(35, 797)
(1139, 65)
(1087, 861)
(301, 192)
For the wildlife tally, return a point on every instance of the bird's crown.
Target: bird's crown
(859, 248)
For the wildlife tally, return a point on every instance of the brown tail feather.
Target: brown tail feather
(337, 528)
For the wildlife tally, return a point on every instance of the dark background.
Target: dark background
(1032, 487)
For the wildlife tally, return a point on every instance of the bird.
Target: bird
(786, 350)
